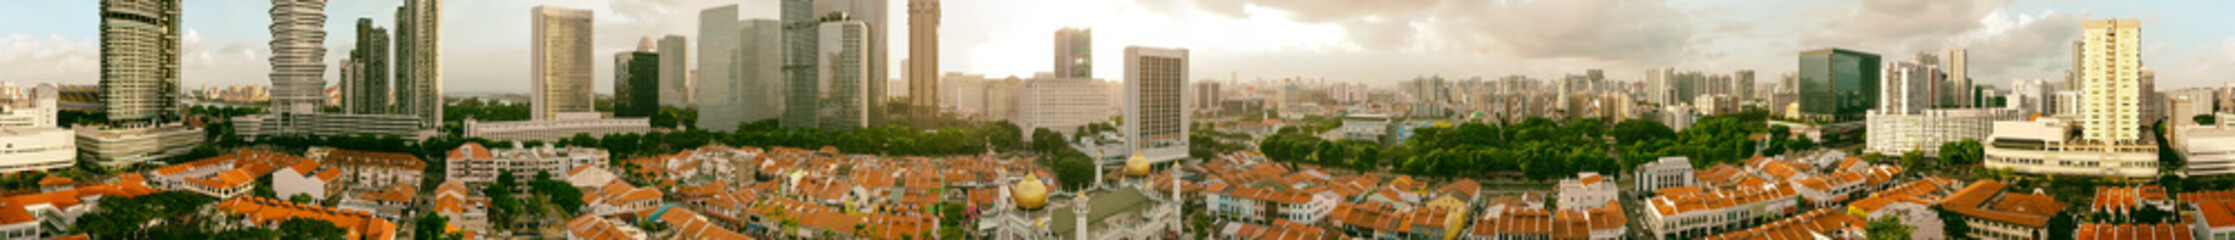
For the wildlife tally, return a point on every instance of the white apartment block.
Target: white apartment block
(564, 126)
(1894, 133)
(1061, 104)
(1667, 172)
(1908, 87)
(2045, 146)
(476, 165)
(1586, 191)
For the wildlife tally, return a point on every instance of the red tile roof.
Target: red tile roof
(2030, 210)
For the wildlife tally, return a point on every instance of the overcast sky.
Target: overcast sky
(1376, 42)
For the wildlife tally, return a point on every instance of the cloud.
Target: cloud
(49, 59)
(1620, 33)
(2001, 45)
(2029, 47)
(1902, 24)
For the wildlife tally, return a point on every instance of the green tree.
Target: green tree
(301, 198)
(2205, 119)
(1888, 228)
(1912, 159)
(1960, 153)
(304, 228)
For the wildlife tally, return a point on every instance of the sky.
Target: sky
(1379, 43)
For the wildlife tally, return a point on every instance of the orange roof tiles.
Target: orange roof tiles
(2024, 209)
(266, 211)
(2094, 231)
(1803, 226)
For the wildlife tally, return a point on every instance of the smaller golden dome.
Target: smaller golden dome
(1137, 165)
(1029, 193)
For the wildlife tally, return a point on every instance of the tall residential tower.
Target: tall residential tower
(923, 63)
(2112, 88)
(366, 90)
(139, 61)
(418, 62)
(1074, 53)
(298, 56)
(1155, 116)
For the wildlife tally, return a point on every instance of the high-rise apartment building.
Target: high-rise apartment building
(1061, 104)
(366, 89)
(298, 56)
(923, 52)
(561, 72)
(844, 93)
(1155, 118)
(1908, 87)
(1074, 53)
(418, 62)
(1743, 87)
(1837, 85)
(637, 89)
(1657, 85)
(139, 61)
(2112, 86)
(673, 72)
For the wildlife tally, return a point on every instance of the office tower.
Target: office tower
(674, 84)
(366, 90)
(800, 101)
(1155, 120)
(1837, 85)
(637, 89)
(2112, 84)
(1957, 86)
(1074, 53)
(139, 61)
(923, 50)
(562, 62)
(298, 56)
(872, 15)
(844, 55)
(1205, 96)
(1598, 79)
(1061, 104)
(418, 62)
(1908, 87)
(741, 66)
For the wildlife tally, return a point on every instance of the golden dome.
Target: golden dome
(1137, 165)
(1029, 193)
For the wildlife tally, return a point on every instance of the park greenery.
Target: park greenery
(1534, 148)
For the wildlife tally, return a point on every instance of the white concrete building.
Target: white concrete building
(29, 138)
(552, 129)
(2210, 150)
(1061, 104)
(1369, 127)
(125, 146)
(298, 56)
(476, 165)
(1667, 172)
(332, 124)
(1908, 87)
(1894, 133)
(2114, 91)
(1689, 212)
(307, 178)
(1155, 118)
(2046, 146)
(1586, 191)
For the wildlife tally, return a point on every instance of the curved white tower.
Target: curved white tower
(298, 73)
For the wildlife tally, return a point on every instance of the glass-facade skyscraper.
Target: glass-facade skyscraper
(637, 89)
(1838, 85)
(139, 61)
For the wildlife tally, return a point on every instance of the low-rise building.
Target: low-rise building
(2047, 146)
(1993, 214)
(120, 146)
(49, 214)
(1819, 223)
(1667, 172)
(30, 140)
(2210, 150)
(1585, 191)
(565, 126)
(1691, 212)
(619, 197)
(476, 165)
(367, 170)
(592, 227)
(331, 124)
(307, 178)
(453, 201)
(269, 213)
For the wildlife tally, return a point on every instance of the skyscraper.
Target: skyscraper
(843, 55)
(800, 101)
(419, 61)
(1958, 83)
(139, 61)
(1155, 118)
(674, 84)
(2112, 88)
(561, 62)
(366, 91)
(873, 17)
(923, 52)
(1837, 85)
(1074, 53)
(298, 56)
(1908, 87)
(637, 89)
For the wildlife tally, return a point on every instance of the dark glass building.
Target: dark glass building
(636, 84)
(1837, 85)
